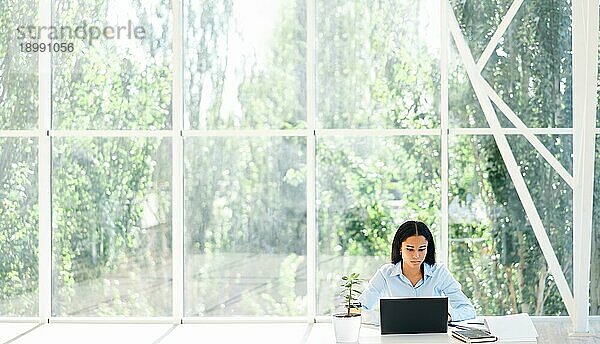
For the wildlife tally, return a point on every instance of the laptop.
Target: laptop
(402, 315)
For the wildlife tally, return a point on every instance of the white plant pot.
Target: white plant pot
(347, 329)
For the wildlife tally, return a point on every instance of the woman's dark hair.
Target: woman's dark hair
(408, 229)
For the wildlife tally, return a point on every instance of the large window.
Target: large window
(111, 227)
(493, 249)
(18, 227)
(244, 64)
(375, 68)
(362, 195)
(245, 226)
(233, 158)
(18, 69)
(18, 167)
(118, 83)
(530, 67)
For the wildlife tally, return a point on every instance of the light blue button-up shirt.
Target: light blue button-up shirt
(389, 281)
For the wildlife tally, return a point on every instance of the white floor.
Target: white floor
(551, 330)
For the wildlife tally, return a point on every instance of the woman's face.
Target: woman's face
(414, 250)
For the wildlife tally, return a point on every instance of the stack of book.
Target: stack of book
(473, 336)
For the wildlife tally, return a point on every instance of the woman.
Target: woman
(413, 272)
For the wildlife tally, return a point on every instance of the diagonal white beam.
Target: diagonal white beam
(506, 20)
(511, 164)
(535, 142)
(585, 64)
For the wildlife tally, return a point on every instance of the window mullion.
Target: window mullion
(445, 256)
(177, 165)
(44, 171)
(311, 220)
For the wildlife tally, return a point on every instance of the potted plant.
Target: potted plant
(346, 325)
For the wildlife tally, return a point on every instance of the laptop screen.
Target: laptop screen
(399, 315)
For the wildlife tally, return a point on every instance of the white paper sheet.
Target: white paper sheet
(514, 327)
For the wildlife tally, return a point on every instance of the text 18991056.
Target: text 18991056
(54, 47)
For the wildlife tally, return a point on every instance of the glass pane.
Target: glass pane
(245, 64)
(245, 226)
(18, 65)
(530, 68)
(478, 20)
(464, 110)
(493, 251)
(595, 267)
(111, 227)
(378, 64)
(119, 75)
(366, 187)
(18, 227)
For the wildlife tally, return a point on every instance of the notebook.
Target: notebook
(473, 336)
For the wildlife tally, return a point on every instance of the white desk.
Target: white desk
(323, 333)
(11, 330)
(552, 330)
(93, 334)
